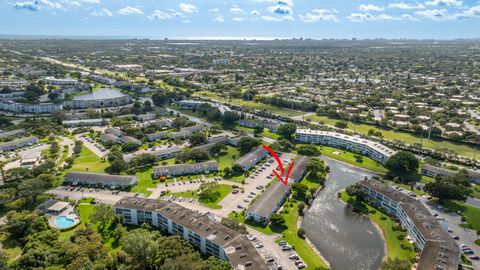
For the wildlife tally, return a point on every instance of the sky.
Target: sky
(260, 19)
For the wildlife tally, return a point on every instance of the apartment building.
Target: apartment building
(99, 179)
(432, 171)
(18, 143)
(182, 169)
(15, 107)
(251, 158)
(372, 149)
(269, 202)
(438, 249)
(201, 230)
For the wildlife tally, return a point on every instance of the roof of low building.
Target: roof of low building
(99, 177)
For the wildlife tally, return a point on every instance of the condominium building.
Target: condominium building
(13, 133)
(12, 95)
(182, 169)
(438, 249)
(100, 179)
(105, 97)
(432, 171)
(201, 230)
(85, 122)
(190, 104)
(18, 143)
(14, 83)
(251, 158)
(372, 149)
(269, 202)
(167, 153)
(15, 107)
(62, 81)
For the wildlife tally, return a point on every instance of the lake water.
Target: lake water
(345, 239)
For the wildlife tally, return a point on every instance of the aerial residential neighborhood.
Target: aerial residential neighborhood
(240, 135)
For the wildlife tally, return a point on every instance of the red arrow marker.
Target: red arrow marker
(275, 156)
(284, 181)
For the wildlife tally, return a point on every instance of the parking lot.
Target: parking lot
(96, 148)
(100, 195)
(254, 185)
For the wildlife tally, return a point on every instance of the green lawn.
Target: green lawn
(391, 134)
(84, 209)
(87, 161)
(265, 133)
(471, 213)
(394, 245)
(222, 188)
(257, 226)
(228, 157)
(249, 104)
(145, 181)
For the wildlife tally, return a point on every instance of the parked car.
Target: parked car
(301, 266)
(270, 259)
(282, 243)
(474, 257)
(259, 245)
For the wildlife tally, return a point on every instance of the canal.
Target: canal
(345, 239)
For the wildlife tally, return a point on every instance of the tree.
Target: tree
(301, 207)
(29, 189)
(299, 189)
(77, 148)
(257, 130)
(234, 225)
(130, 146)
(448, 188)
(396, 264)
(308, 150)
(403, 164)
(218, 147)
(301, 233)
(103, 215)
(208, 192)
(277, 220)
(117, 166)
(237, 169)
(341, 124)
(229, 119)
(141, 247)
(141, 159)
(197, 138)
(54, 148)
(247, 143)
(227, 171)
(287, 130)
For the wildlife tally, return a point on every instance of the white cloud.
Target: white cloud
(365, 17)
(187, 8)
(403, 5)
(370, 7)
(277, 19)
(255, 13)
(102, 12)
(238, 19)
(280, 2)
(89, 1)
(213, 10)
(236, 10)
(436, 14)
(37, 5)
(280, 9)
(320, 15)
(219, 18)
(159, 15)
(469, 13)
(452, 3)
(130, 11)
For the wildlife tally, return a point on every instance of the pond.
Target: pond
(346, 240)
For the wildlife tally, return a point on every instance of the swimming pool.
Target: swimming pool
(64, 222)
